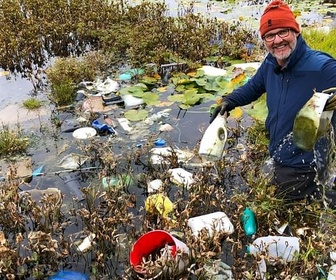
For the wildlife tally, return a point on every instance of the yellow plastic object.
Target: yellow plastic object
(159, 203)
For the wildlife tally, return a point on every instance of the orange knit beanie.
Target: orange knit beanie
(277, 15)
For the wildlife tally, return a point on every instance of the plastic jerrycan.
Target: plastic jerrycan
(276, 247)
(214, 139)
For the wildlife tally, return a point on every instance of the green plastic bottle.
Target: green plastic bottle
(249, 222)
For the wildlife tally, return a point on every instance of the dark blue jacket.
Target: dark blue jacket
(287, 91)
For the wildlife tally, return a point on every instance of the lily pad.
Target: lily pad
(136, 115)
(259, 110)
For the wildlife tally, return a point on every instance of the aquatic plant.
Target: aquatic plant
(32, 103)
(12, 141)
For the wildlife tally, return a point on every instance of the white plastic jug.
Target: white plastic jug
(276, 247)
(217, 221)
(280, 248)
(214, 139)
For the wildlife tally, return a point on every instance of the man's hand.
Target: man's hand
(221, 109)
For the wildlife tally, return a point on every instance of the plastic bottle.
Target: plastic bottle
(213, 140)
(68, 274)
(249, 222)
(276, 247)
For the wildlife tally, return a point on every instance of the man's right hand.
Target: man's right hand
(221, 109)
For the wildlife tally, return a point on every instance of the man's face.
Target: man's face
(280, 43)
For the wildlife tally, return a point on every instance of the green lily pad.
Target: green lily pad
(136, 115)
(259, 110)
(150, 98)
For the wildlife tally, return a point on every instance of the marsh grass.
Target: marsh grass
(12, 141)
(321, 40)
(32, 103)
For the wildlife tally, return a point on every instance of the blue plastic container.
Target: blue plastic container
(69, 275)
(249, 222)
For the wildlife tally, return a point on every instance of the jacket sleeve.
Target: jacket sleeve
(249, 92)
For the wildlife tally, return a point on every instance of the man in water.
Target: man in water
(289, 75)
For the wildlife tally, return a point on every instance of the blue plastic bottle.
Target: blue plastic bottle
(68, 275)
(249, 222)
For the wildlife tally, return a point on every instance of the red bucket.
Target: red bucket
(150, 244)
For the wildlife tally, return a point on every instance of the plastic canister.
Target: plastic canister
(217, 221)
(149, 245)
(249, 222)
(276, 247)
(214, 139)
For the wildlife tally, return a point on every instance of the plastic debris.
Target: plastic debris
(69, 275)
(72, 161)
(84, 133)
(107, 86)
(131, 101)
(154, 186)
(158, 247)
(181, 177)
(249, 222)
(103, 128)
(218, 270)
(159, 203)
(214, 222)
(125, 124)
(87, 242)
(128, 75)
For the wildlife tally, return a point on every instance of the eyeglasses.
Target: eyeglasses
(271, 36)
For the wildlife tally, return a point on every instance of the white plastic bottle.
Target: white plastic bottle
(276, 247)
(214, 138)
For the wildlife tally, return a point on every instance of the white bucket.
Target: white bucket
(217, 221)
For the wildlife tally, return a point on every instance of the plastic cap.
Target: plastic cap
(248, 249)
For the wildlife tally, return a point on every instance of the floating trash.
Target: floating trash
(181, 177)
(87, 243)
(213, 71)
(72, 161)
(128, 75)
(84, 133)
(131, 101)
(159, 203)
(154, 253)
(166, 127)
(102, 127)
(214, 222)
(69, 275)
(218, 270)
(154, 186)
(106, 86)
(249, 222)
(36, 195)
(160, 142)
(125, 124)
(274, 248)
(38, 171)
